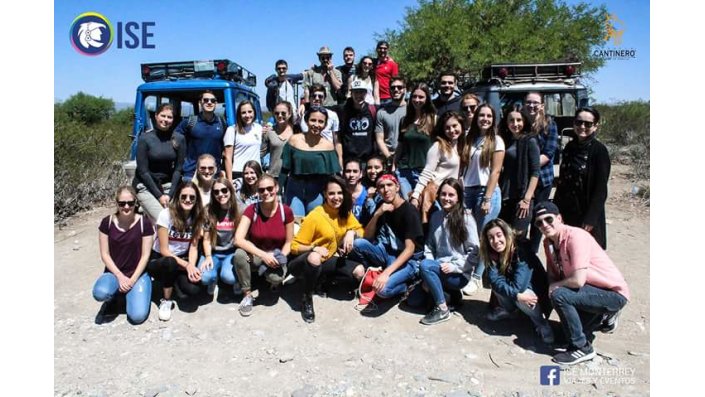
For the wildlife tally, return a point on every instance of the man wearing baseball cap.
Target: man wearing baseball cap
(356, 138)
(586, 288)
(325, 74)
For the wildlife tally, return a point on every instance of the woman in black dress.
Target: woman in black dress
(582, 184)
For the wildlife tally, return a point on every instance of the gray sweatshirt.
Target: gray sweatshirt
(439, 247)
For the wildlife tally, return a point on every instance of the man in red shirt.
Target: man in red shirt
(586, 288)
(385, 69)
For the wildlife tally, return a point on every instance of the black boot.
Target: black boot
(307, 312)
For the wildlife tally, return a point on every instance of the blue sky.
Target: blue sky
(261, 32)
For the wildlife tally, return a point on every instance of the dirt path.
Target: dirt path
(212, 351)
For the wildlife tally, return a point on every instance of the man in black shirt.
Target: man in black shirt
(448, 98)
(393, 240)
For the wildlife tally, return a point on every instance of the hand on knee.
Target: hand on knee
(314, 259)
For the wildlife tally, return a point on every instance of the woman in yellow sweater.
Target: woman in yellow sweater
(323, 242)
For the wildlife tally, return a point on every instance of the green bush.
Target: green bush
(625, 127)
(87, 158)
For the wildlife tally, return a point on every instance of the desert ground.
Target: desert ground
(208, 349)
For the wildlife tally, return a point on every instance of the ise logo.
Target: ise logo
(92, 34)
(550, 375)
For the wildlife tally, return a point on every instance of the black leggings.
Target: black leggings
(167, 272)
(334, 265)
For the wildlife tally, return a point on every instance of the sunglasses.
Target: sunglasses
(587, 124)
(282, 68)
(206, 168)
(280, 113)
(188, 197)
(221, 192)
(549, 220)
(367, 64)
(469, 107)
(397, 87)
(268, 189)
(324, 58)
(318, 96)
(130, 203)
(209, 100)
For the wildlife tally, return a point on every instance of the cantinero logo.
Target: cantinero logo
(91, 34)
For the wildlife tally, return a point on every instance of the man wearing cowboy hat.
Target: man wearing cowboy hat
(325, 74)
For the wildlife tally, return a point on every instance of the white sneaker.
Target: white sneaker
(245, 307)
(472, 286)
(237, 289)
(165, 307)
(546, 333)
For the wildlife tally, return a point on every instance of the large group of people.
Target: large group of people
(445, 195)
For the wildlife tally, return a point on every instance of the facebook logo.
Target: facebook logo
(550, 375)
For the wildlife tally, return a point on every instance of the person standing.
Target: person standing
(546, 133)
(585, 287)
(356, 138)
(204, 134)
(581, 191)
(448, 98)
(385, 69)
(346, 71)
(326, 75)
(280, 86)
(160, 156)
(389, 119)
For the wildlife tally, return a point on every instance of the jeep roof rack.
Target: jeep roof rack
(211, 69)
(532, 72)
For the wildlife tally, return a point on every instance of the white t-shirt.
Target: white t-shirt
(246, 146)
(332, 126)
(476, 175)
(178, 242)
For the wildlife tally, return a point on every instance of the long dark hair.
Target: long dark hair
(456, 216)
(161, 108)
(346, 206)
(428, 112)
(216, 212)
(178, 217)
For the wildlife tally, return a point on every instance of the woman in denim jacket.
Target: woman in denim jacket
(517, 277)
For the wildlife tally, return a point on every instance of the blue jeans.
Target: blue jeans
(138, 298)
(304, 194)
(510, 304)
(437, 281)
(473, 201)
(369, 254)
(223, 265)
(407, 181)
(581, 310)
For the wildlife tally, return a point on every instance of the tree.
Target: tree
(464, 36)
(87, 109)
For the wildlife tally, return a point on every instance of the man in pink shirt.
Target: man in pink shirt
(586, 288)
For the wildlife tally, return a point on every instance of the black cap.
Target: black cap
(545, 207)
